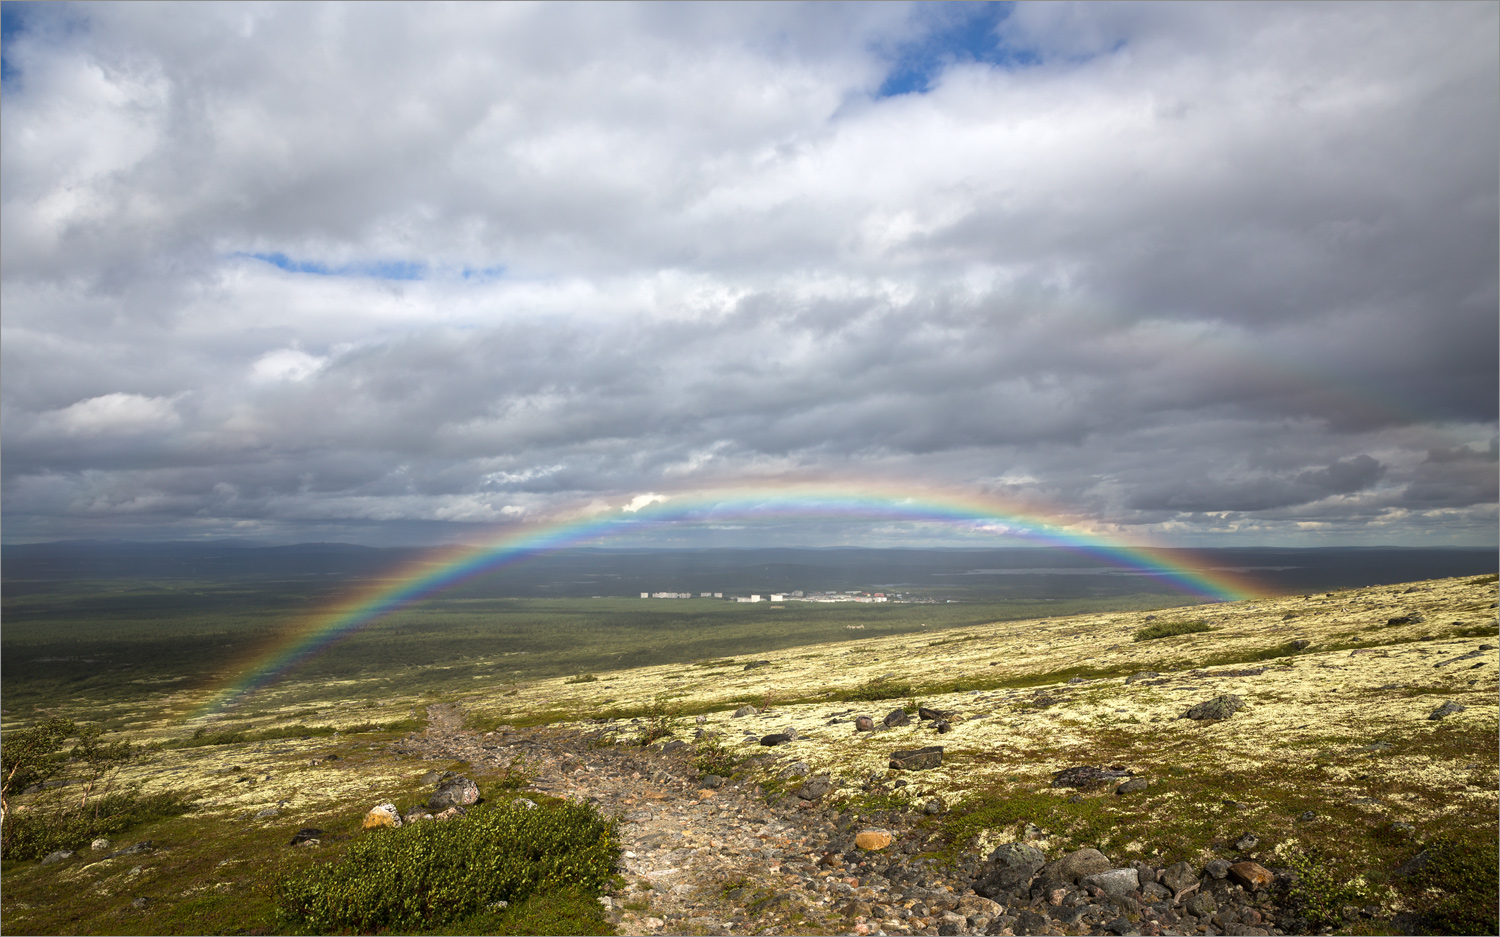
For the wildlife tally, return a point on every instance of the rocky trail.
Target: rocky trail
(704, 855)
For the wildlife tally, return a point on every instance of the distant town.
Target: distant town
(800, 596)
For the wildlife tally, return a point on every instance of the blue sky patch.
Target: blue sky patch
(955, 33)
(378, 269)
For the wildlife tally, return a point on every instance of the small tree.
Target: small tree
(31, 756)
(104, 759)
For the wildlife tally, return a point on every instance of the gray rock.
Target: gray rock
(1247, 842)
(137, 849)
(1122, 926)
(896, 717)
(1201, 905)
(797, 769)
(1447, 709)
(774, 739)
(1029, 923)
(526, 802)
(1301, 644)
(1075, 865)
(933, 807)
(917, 759)
(1088, 777)
(1307, 816)
(56, 856)
(813, 788)
(1218, 868)
(1220, 707)
(267, 813)
(675, 745)
(1116, 883)
(746, 711)
(1179, 876)
(864, 724)
(1009, 871)
(1131, 786)
(100, 844)
(1155, 891)
(141, 903)
(454, 792)
(1411, 866)
(712, 781)
(1142, 675)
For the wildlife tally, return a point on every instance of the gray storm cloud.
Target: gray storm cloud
(1211, 274)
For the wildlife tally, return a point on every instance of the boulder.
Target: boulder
(1445, 710)
(873, 840)
(1116, 883)
(774, 739)
(1179, 876)
(1131, 786)
(454, 792)
(1201, 905)
(1075, 865)
(917, 759)
(1009, 871)
(813, 788)
(1089, 777)
(746, 711)
(934, 715)
(307, 834)
(382, 815)
(100, 844)
(864, 724)
(1252, 876)
(56, 856)
(1220, 707)
(896, 717)
(1247, 842)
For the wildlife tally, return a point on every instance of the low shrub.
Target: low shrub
(1462, 874)
(32, 834)
(711, 757)
(428, 875)
(1168, 629)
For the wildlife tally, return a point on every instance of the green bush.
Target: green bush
(1167, 629)
(430, 874)
(32, 834)
(711, 757)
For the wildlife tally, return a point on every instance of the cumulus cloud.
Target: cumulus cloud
(1214, 271)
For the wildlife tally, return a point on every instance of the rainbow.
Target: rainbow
(446, 567)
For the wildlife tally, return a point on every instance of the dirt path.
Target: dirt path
(700, 860)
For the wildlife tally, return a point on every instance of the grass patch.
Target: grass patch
(1169, 629)
(429, 875)
(1463, 875)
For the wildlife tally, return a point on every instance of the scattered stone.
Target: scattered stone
(1412, 619)
(1446, 710)
(305, 835)
(1202, 905)
(754, 664)
(526, 802)
(1115, 883)
(1075, 865)
(1089, 777)
(56, 856)
(1250, 875)
(416, 813)
(813, 788)
(872, 840)
(745, 711)
(267, 813)
(1247, 842)
(1218, 868)
(1009, 871)
(1307, 816)
(1220, 707)
(141, 903)
(1400, 826)
(1414, 865)
(382, 815)
(774, 739)
(917, 759)
(896, 717)
(1132, 785)
(137, 849)
(1179, 877)
(864, 724)
(454, 792)
(712, 781)
(1301, 644)
(933, 807)
(1142, 675)
(450, 813)
(100, 844)
(933, 715)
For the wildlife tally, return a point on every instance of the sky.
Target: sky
(1184, 274)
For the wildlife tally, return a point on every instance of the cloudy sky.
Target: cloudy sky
(385, 273)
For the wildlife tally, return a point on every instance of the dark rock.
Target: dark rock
(864, 724)
(137, 849)
(1414, 865)
(916, 759)
(712, 781)
(896, 717)
(934, 715)
(943, 728)
(1088, 777)
(776, 738)
(1307, 816)
(813, 788)
(56, 856)
(1413, 619)
(1179, 876)
(1121, 925)
(454, 792)
(1155, 891)
(1142, 675)
(675, 745)
(754, 664)
(1301, 644)
(1009, 871)
(1132, 785)
(1030, 923)
(1247, 842)
(1218, 868)
(305, 834)
(1220, 707)
(1447, 709)
(933, 807)
(746, 711)
(1201, 905)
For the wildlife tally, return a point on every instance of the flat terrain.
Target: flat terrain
(1334, 762)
